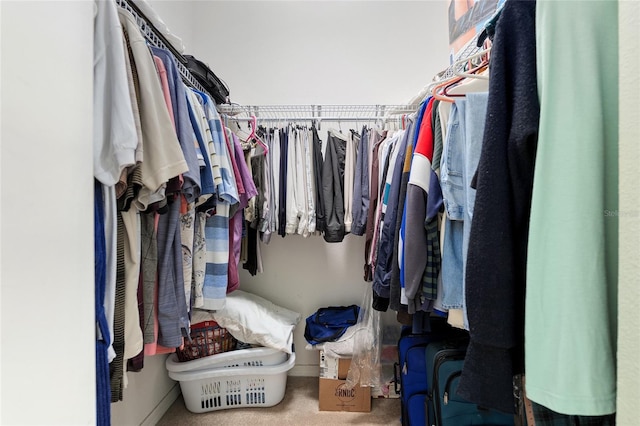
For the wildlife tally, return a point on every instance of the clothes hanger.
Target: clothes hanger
(253, 137)
(473, 73)
(476, 71)
(435, 90)
(460, 76)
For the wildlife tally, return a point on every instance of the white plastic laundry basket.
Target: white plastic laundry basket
(218, 388)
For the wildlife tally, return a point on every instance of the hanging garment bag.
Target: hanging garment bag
(444, 407)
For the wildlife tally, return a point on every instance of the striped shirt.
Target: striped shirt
(214, 291)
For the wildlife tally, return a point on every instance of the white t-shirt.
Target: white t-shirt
(114, 131)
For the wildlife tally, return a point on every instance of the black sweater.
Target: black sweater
(496, 259)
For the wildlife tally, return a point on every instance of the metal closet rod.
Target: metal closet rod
(320, 119)
(309, 107)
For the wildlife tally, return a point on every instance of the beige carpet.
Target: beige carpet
(299, 407)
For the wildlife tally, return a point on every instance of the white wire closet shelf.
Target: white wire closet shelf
(312, 112)
(472, 49)
(315, 112)
(155, 38)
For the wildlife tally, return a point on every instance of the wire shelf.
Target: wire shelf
(154, 37)
(314, 112)
(300, 112)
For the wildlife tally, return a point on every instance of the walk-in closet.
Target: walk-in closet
(355, 188)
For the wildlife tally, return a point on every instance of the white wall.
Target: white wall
(301, 52)
(309, 52)
(48, 349)
(178, 16)
(629, 290)
(148, 395)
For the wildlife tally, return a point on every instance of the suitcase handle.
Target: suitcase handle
(447, 386)
(396, 377)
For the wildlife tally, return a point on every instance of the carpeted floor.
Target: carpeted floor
(299, 407)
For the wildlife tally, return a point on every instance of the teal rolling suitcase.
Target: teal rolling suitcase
(444, 407)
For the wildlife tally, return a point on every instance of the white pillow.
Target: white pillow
(252, 319)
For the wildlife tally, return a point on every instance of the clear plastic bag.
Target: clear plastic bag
(365, 363)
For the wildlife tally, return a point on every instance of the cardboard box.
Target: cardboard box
(335, 396)
(333, 393)
(334, 368)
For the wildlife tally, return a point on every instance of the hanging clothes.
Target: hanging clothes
(159, 151)
(282, 182)
(395, 285)
(318, 165)
(414, 235)
(349, 178)
(572, 264)
(191, 187)
(274, 154)
(374, 188)
(458, 165)
(385, 153)
(161, 161)
(211, 177)
(173, 317)
(310, 184)
(115, 136)
(385, 248)
(103, 335)
(496, 260)
(361, 185)
(266, 191)
(217, 225)
(163, 158)
(114, 131)
(294, 182)
(333, 186)
(116, 366)
(249, 192)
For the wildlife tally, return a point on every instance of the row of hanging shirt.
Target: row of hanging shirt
(173, 185)
(307, 186)
(426, 204)
(376, 183)
(480, 236)
(350, 183)
(359, 182)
